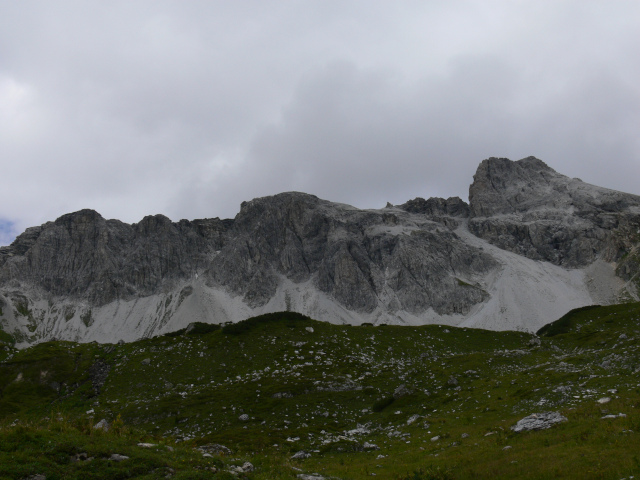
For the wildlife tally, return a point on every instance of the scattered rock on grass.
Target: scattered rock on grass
(81, 457)
(538, 421)
(412, 419)
(620, 415)
(102, 425)
(116, 457)
(301, 454)
(215, 448)
(245, 468)
(401, 391)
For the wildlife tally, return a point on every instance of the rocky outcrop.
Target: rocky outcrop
(85, 257)
(362, 259)
(528, 208)
(538, 421)
(438, 207)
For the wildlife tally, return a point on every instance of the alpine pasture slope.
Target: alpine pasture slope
(283, 396)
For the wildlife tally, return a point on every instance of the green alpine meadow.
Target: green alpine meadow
(282, 396)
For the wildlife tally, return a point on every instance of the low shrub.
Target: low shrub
(199, 328)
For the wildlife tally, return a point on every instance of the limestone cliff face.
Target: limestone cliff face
(387, 258)
(528, 208)
(85, 257)
(393, 258)
(83, 277)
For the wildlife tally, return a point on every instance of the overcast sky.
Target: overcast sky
(187, 108)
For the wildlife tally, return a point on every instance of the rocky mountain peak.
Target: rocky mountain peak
(280, 200)
(80, 217)
(504, 186)
(153, 224)
(530, 209)
(501, 186)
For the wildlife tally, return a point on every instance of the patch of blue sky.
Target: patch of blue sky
(7, 232)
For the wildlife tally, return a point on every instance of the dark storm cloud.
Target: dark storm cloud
(189, 108)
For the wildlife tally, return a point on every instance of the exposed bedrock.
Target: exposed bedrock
(85, 257)
(362, 258)
(528, 208)
(415, 262)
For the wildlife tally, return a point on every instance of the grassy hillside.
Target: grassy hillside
(391, 402)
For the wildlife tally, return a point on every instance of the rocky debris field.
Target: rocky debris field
(284, 396)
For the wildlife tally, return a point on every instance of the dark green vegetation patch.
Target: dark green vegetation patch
(6, 338)
(565, 323)
(289, 319)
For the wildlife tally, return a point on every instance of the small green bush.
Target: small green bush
(6, 338)
(176, 333)
(199, 328)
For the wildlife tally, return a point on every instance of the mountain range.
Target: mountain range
(530, 245)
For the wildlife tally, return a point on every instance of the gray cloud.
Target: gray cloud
(189, 108)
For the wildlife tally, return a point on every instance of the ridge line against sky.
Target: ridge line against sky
(189, 108)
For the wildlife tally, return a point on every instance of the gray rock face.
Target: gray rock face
(102, 425)
(360, 258)
(528, 208)
(301, 455)
(538, 421)
(83, 256)
(438, 207)
(416, 260)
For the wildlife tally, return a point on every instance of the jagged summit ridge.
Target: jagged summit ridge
(501, 186)
(528, 208)
(440, 260)
(83, 256)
